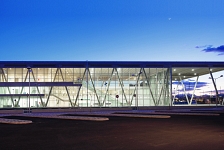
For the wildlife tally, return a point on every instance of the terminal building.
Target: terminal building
(88, 84)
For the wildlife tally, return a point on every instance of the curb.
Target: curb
(14, 121)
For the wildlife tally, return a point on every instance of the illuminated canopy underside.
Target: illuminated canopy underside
(181, 69)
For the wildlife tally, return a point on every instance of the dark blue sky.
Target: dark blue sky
(151, 30)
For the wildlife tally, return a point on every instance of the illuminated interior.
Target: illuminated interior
(101, 84)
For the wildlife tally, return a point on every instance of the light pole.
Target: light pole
(216, 78)
(29, 70)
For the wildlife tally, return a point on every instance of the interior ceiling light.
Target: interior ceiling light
(184, 76)
(179, 74)
(174, 69)
(195, 73)
(210, 69)
(192, 70)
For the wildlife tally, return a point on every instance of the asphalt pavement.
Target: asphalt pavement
(182, 130)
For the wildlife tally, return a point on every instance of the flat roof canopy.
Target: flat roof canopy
(186, 73)
(108, 64)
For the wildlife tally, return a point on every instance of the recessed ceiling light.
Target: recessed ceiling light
(192, 70)
(174, 69)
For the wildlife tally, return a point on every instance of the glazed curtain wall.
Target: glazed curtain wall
(84, 87)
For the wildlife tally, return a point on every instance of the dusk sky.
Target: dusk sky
(144, 30)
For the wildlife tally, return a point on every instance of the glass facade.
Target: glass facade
(108, 84)
(84, 87)
(197, 86)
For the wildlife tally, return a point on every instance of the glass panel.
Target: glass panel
(110, 87)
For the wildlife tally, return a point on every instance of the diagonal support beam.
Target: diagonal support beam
(66, 88)
(195, 85)
(4, 76)
(147, 79)
(184, 91)
(93, 86)
(162, 88)
(214, 83)
(122, 85)
(51, 87)
(37, 88)
(77, 96)
(23, 86)
(108, 85)
(136, 84)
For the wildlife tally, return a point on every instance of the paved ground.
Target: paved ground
(180, 131)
